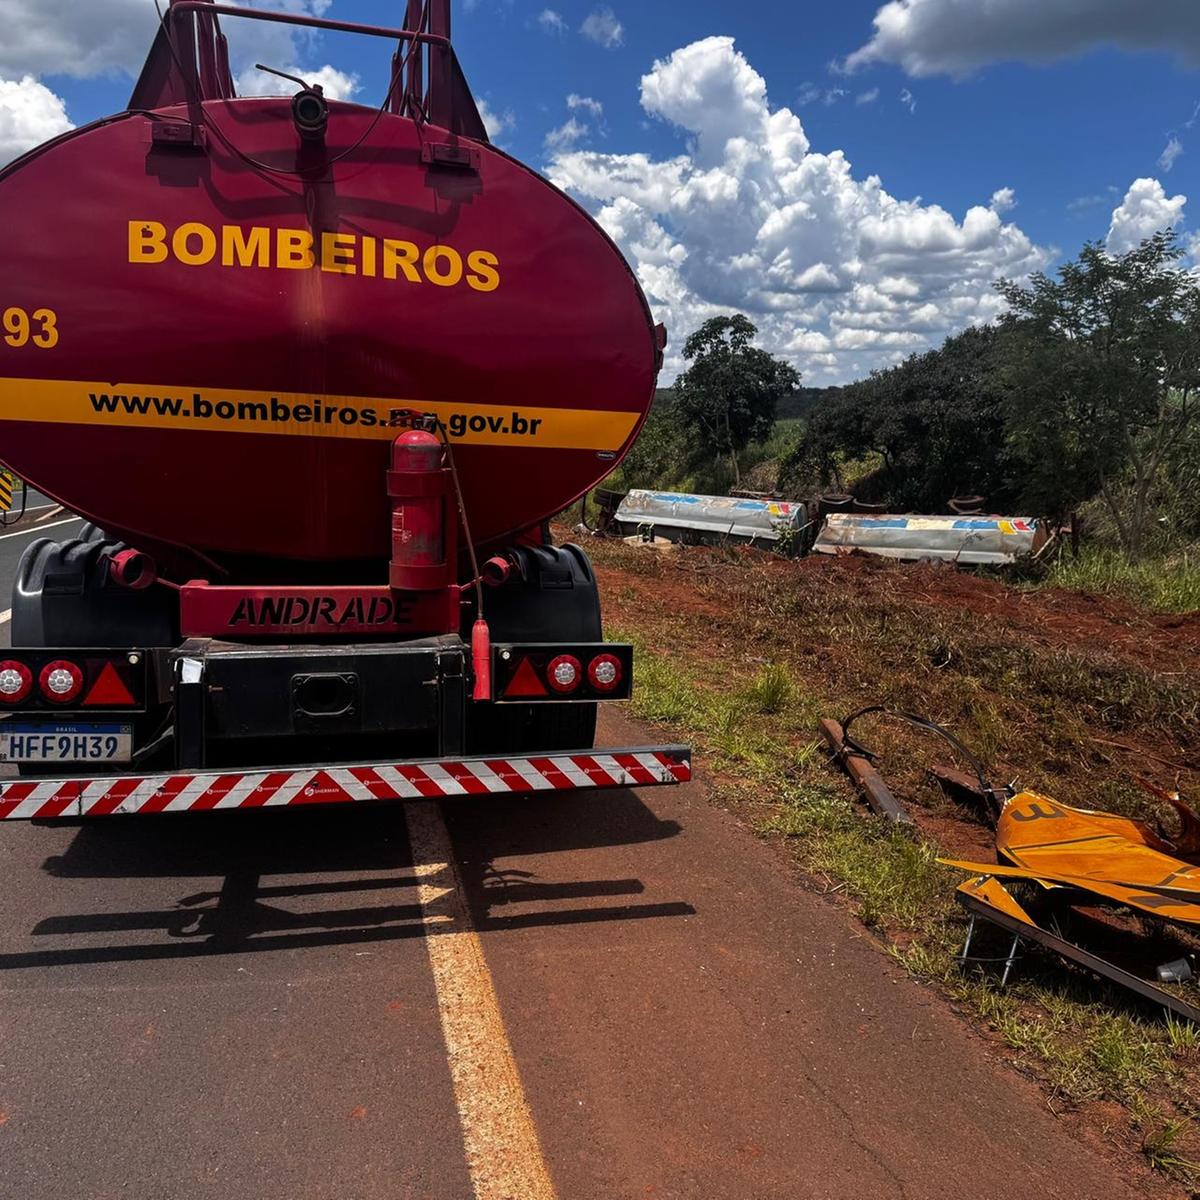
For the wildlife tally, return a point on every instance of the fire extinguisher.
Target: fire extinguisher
(420, 489)
(423, 490)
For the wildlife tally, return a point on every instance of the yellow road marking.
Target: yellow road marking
(504, 1156)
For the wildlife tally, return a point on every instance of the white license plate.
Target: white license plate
(78, 742)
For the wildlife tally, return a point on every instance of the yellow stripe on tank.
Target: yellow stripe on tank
(302, 414)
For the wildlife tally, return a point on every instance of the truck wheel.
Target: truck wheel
(551, 597)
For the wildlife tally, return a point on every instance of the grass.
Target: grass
(1160, 1145)
(898, 888)
(794, 644)
(771, 690)
(1169, 584)
(1183, 1035)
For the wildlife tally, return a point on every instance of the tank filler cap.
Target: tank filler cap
(310, 109)
(310, 112)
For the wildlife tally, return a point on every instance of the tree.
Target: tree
(935, 420)
(731, 390)
(1102, 367)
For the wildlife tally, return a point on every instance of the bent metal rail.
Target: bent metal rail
(200, 791)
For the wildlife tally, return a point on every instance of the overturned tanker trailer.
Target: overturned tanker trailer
(316, 374)
(683, 517)
(972, 540)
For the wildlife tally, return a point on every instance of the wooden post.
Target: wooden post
(868, 781)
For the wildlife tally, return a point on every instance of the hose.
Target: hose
(928, 726)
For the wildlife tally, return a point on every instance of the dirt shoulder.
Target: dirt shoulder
(692, 1025)
(1069, 694)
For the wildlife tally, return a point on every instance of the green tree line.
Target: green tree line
(1085, 390)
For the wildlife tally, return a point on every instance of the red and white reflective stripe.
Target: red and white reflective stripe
(22, 799)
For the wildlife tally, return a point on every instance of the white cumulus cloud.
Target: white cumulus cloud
(1145, 210)
(30, 113)
(839, 275)
(75, 39)
(603, 28)
(954, 37)
(336, 85)
(1003, 200)
(551, 21)
(566, 135)
(496, 123)
(587, 117)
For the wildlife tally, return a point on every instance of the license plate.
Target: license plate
(77, 742)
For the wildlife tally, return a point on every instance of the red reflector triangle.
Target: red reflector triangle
(109, 689)
(525, 682)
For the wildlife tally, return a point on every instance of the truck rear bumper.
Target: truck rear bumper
(200, 791)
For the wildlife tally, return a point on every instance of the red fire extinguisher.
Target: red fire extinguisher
(419, 485)
(425, 535)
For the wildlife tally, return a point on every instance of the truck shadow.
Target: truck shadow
(290, 880)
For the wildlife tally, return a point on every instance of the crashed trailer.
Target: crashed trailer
(971, 540)
(681, 517)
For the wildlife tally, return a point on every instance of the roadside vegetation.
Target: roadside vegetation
(1078, 406)
(1073, 676)
(1165, 583)
(742, 653)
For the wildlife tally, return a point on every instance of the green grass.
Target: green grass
(755, 736)
(1162, 584)
(771, 690)
(1160, 1145)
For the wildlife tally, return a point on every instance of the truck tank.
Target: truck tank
(215, 307)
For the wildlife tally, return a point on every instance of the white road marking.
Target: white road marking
(37, 508)
(42, 528)
(504, 1156)
(6, 616)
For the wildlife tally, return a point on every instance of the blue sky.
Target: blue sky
(1066, 102)
(1055, 133)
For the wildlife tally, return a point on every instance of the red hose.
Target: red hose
(481, 657)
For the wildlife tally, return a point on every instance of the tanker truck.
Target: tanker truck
(316, 376)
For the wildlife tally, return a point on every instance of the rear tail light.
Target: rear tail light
(605, 673)
(564, 674)
(583, 672)
(16, 681)
(61, 681)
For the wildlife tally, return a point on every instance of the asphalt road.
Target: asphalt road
(623, 995)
